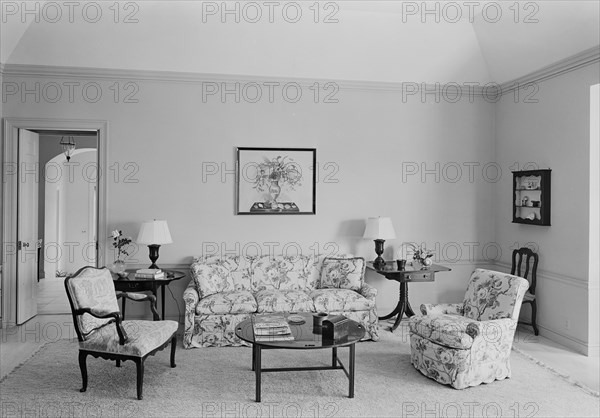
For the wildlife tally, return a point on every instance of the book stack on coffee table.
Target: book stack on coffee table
(271, 328)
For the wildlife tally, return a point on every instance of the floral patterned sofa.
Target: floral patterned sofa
(225, 291)
(469, 343)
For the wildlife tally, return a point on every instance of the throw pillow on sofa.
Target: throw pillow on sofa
(211, 279)
(342, 273)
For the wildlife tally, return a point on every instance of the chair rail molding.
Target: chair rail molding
(570, 281)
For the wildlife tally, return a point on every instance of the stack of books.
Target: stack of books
(271, 328)
(150, 274)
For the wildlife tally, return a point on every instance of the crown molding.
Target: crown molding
(582, 59)
(98, 73)
(572, 63)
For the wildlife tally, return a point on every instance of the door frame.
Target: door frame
(10, 194)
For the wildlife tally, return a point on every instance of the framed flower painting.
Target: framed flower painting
(276, 181)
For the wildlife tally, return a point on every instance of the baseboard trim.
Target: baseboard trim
(576, 344)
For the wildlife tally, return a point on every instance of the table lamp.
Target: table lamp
(379, 229)
(154, 234)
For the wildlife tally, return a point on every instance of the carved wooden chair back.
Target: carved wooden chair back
(524, 264)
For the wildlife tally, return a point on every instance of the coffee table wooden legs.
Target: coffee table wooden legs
(401, 308)
(257, 369)
(336, 364)
(351, 372)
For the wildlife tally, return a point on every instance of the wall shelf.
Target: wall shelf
(531, 186)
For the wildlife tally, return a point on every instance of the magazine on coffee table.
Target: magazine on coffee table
(271, 328)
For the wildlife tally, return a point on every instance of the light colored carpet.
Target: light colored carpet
(219, 382)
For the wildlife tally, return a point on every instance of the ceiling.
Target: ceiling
(382, 41)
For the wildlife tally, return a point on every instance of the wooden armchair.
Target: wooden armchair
(102, 332)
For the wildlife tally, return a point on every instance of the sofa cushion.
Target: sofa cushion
(233, 302)
(281, 273)
(284, 301)
(328, 300)
(342, 273)
(446, 329)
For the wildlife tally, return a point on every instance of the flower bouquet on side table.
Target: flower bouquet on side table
(421, 256)
(119, 242)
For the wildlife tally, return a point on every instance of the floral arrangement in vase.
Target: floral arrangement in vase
(119, 242)
(422, 257)
(273, 174)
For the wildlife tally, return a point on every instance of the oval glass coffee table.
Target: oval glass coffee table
(305, 338)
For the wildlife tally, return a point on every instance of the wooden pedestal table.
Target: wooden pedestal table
(404, 277)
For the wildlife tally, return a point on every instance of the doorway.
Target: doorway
(46, 233)
(67, 214)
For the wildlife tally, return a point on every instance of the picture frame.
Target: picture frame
(276, 181)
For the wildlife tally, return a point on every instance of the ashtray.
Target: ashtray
(296, 319)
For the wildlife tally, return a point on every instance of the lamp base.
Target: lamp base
(379, 262)
(153, 255)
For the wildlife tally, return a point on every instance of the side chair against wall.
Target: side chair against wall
(469, 343)
(531, 259)
(102, 332)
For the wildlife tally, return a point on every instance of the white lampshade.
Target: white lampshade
(379, 228)
(154, 232)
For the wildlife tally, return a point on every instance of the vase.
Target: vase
(274, 190)
(416, 264)
(419, 264)
(118, 267)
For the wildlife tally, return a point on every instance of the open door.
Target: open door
(27, 225)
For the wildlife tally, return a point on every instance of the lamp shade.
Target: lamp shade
(379, 228)
(154, 232)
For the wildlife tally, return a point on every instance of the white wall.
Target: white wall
(1, 191)
(553, 132)
(157, 148)
(594, 238)
(67, 213)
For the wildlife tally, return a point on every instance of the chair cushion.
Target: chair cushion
(342, 273)
(144, 336)
(284, 301)
(328, 300)
(227, 303)
(446, 329)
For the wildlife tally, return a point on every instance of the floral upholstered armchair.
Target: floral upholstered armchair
(469, 343)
